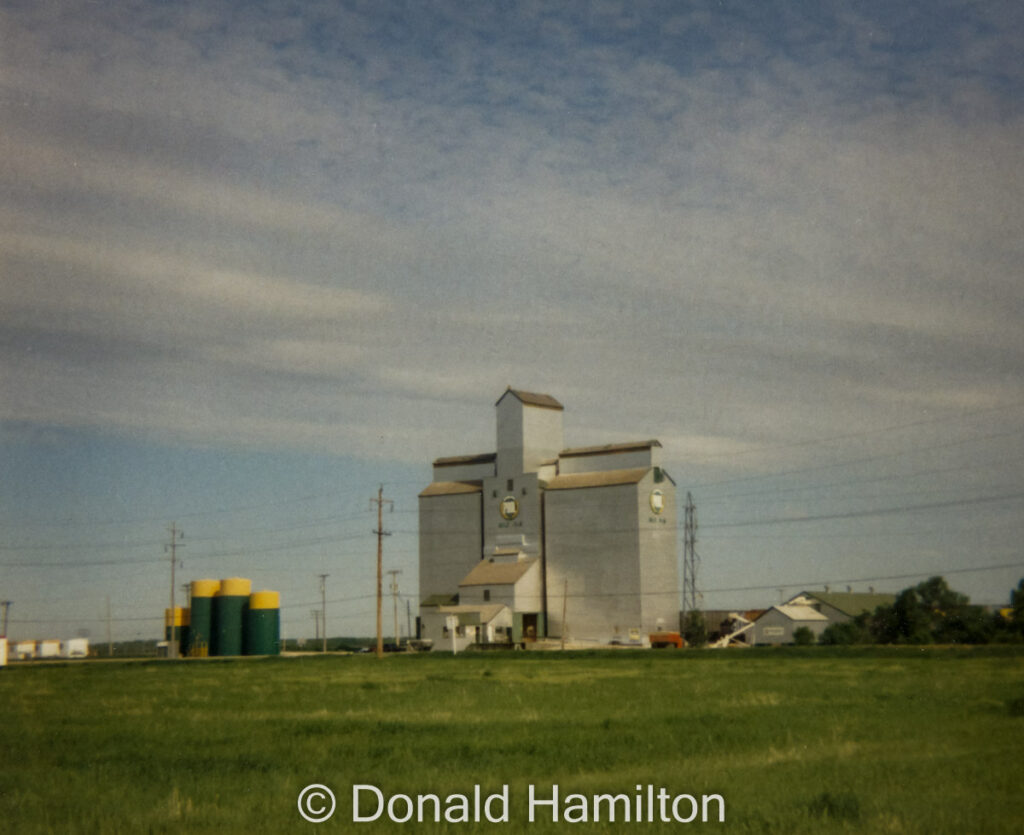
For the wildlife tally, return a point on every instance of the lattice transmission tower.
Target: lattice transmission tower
(691, 598)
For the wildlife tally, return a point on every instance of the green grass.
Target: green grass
(870, 740)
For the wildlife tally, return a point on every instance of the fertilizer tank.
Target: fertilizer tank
(229, 608)
(263, 624)
(201, 617)
(174, 627)
(168, 621)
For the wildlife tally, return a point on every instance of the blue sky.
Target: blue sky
(259, 258)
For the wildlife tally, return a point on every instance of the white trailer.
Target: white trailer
(25, 650)
(48, 649)
(76, 648)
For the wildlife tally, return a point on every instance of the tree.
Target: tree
(906, 621)
(965, 625)
(931, 611)
(1017, 606)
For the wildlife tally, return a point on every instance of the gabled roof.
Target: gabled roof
(529, 398)
(852, 603)
(474, 615)
(601, 478)
(610, 449)
(487, 573)
(439, 600)
(799, 613)
(451, 488)
(455, 460)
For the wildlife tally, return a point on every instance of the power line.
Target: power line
(863, 534)
(773, 489)
(82, 563)
(856, 514)
(78, 546)
(865, 433)
(929, 573)
(331, 600)
(788, 519)
(867, 460)
(276, 502)
(145, 543)
(150, 619)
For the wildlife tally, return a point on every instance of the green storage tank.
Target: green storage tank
(201, 617)
(229, 607)
(263, 624)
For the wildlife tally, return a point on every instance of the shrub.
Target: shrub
(846, 633)
(695, 631)
(803, 637)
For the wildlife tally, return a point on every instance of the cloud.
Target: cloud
(798, 218)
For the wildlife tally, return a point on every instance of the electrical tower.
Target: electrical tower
(690, 558)
(380, 501)
(172, 549)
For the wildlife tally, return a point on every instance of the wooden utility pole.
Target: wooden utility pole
(323, 609)
(110, 639)
(176, 535)
(7, 605)
(380, 502)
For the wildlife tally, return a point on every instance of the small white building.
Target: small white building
(777, 624)
(488, 624)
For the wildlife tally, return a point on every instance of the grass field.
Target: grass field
(816, 741)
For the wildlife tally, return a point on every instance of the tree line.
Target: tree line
(932, 613)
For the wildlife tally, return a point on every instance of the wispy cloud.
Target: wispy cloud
(823, 204)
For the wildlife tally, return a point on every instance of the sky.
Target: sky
(259, 260)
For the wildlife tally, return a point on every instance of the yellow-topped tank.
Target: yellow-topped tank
(229, 607)
(263, 624)
(176, 627)
(201, 616)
